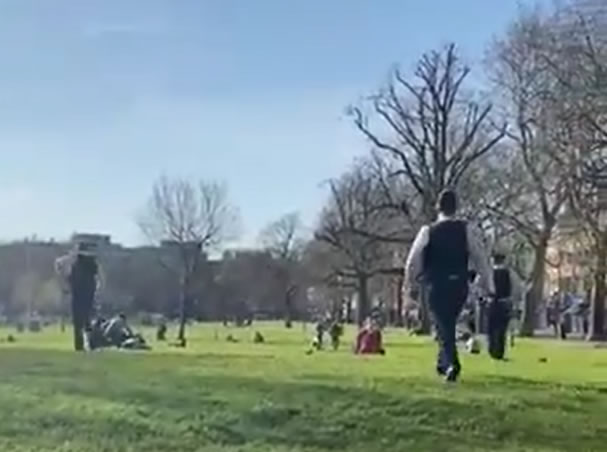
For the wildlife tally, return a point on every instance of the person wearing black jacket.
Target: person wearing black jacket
(507, 292)
(81, 277)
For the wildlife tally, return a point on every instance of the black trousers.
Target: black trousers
(499, 318)
(82, 307)
(446, 299)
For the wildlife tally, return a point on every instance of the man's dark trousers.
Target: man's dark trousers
(499, 318)
(82, 306)
(446, 298)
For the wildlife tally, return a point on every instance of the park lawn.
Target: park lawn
(220, 396)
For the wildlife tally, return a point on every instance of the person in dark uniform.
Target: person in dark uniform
(500, 307)
(81, 275)
(439, 258)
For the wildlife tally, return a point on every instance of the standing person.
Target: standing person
(552, 313)
(320, 333)
(81, 278)
(565, 314)
(336, 330)
(508, 292)
(439, 258)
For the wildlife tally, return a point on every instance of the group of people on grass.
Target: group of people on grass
(449, 264)
(568, 313)
(81, 277)
(439, 262)
(369, 339)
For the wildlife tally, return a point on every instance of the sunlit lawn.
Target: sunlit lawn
(220, 396)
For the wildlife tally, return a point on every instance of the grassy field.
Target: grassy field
(220, 396)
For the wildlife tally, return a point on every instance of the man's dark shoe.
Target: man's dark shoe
(441, 371)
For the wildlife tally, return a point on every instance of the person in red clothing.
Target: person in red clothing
(369, 339)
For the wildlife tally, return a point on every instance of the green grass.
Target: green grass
(218, 396)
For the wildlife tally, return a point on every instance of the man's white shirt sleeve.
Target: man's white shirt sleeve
(414, 265)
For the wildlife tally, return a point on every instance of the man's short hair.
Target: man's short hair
(86, 248)
(447, 202)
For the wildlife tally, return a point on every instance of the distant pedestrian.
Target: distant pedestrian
(439, 258)
(320, 333)
(508, 292)
(552, 313)
(336, 330)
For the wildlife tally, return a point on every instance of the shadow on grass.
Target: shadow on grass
(53, 398)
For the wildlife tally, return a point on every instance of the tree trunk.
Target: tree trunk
(289, 307)
(535, 294)
(348, 309)
(400, 322)
(363, 299)
(62, 323)
(597, 325)
(183, 313)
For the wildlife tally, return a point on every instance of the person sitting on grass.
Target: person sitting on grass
(258, 338)
(369, 339)
(161, 332)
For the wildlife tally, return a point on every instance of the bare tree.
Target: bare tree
(435, 130)
(323, 267)
(283, 240)
(577, 60)
(190, 219)
(535, 179)
(552, 70)
(354, 225)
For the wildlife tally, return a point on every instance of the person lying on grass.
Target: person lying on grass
(115, 333)
(117, 330)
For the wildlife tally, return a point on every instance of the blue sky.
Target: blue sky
(99, 97)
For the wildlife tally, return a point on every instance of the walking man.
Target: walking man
(81, 277)
(439, 258)
(508, 293)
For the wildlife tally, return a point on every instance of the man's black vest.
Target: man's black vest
(503, 284)
(446, 255)
(83, 276)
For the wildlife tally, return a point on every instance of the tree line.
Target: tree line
(525, 150)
